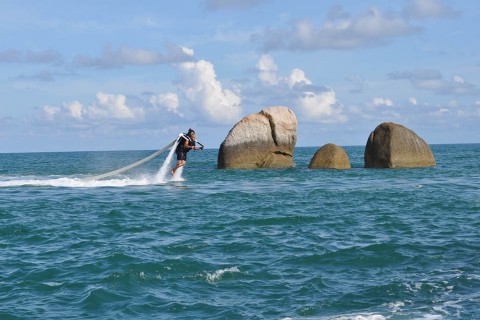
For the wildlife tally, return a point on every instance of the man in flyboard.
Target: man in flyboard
(185, 144)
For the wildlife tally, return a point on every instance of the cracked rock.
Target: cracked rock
(261, 140)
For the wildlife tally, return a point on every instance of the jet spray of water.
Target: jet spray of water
(164, 173)
(162, 176)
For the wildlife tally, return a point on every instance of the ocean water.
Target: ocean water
(239, 244)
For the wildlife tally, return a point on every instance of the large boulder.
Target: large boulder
(392, 145)
(330, 156)
(262, 140)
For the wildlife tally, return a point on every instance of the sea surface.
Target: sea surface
(238, 244)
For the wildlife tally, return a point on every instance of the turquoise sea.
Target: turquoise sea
(239, 244)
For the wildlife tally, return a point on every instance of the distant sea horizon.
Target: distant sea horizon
(211, 148)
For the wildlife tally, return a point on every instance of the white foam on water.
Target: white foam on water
(361, 317)
(161, 177)
(374, 316)
(212, 277)
(430, 317)
(75, 182)
(352, 316)
(178, 175)
(364, 316)
(396, 306)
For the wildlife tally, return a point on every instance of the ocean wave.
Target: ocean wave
(219, 274)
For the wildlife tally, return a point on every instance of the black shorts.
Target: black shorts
(181, 156)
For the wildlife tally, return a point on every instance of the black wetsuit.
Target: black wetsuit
(181, 151)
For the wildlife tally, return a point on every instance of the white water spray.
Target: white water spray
(164, 173)
(161, 177)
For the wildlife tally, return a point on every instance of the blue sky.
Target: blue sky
(122, 75)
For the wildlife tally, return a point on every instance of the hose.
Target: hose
(133, 165)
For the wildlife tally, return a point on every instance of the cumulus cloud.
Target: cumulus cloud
(105, 107)
(168, 101)
(113, 106)
(49, 112)
(267, 70)
(120, 57)
(75, 109)
(413, 101)
(321, 107)
(433, 80)
(199, 84)
(297, 76)
(199, 91)
(267, 73)
(382, 102)
(339, 31)
(423, 9)
(315, 103)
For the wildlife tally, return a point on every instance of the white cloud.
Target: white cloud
(200, 86)
(458, 79)
(50, 112)
(113, 106)
(267, 70)
(169, 101)
(75, 109)
(267, 73)
(440, 112)
(321, 107)
(413, 101)
(297, 76)
(187, 51)
(315, 103)
(382, 102)
(106, 107)
(422, 9)
(339, 31)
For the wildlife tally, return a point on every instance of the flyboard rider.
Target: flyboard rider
(187, 142)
